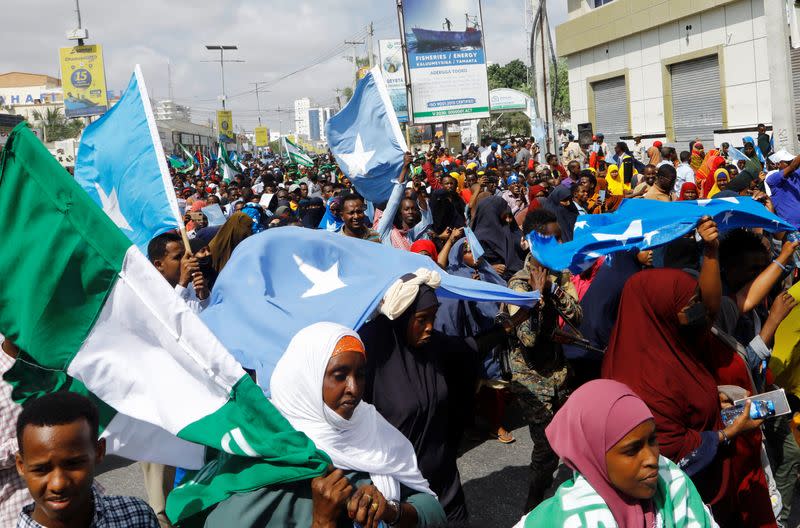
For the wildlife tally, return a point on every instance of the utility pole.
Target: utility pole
(80, 26)
(784, 129)
(338, 99)
(258, 103)
(169, 79)
(370, 34)
(222, 49)
(355, 58)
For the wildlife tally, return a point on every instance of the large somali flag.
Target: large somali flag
(121, 165)
(366, 140)
(645, 224)
(296, 154)
(91, 314)
(282, 280)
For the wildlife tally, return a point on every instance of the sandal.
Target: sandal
(504, 438)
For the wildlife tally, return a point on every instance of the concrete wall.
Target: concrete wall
(735, 31)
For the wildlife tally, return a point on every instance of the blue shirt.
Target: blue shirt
(786, 195)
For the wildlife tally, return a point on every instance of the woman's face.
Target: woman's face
(420, 327)
(343, 385)
(632, 463)
(722, 184)
(690, 194)
(614, 174)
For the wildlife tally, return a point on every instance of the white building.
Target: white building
(23, 93)
(674, 70)
(166, 109)
(301, 117)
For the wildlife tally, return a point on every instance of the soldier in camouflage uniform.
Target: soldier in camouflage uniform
(540, 376)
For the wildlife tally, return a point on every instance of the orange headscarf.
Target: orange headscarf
(705, 174)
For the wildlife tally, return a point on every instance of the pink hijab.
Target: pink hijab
(597, 416)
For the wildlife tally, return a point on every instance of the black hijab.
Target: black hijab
(501, 241)
(447, 210)
(312, 217)
(425, 393)
(566, 215)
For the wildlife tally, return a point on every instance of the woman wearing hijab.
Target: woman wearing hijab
(607, 436)
(317, 386)
(233, 231)
(698, 155)
(499, 235)
(447, 206)
(721, 180)
(688, 192)
(675, 312)
(705, 175)
(311, 215)
(331, 220)
(423, 381)
(616, 183)
(561, 204)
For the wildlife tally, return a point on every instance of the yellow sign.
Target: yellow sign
(225, 123)
(262, 136)
(84, 80)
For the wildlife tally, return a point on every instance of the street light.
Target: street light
(222, 49)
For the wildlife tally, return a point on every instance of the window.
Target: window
(601, 3)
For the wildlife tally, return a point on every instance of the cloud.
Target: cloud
(274, 38)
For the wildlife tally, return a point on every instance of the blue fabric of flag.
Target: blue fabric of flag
(737, 155)
(366, 140)
(474, 244)
(284, 279)
(121, 165)
(645, 224)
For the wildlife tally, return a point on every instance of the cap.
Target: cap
(698, 145)
(512, 179)
(282, 210)
(781, 155)
(294, 187)
(657, 144)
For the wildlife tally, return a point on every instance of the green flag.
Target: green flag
(296, 154)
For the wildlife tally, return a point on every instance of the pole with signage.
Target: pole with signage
(390, 55)
(261, 136)
(225, 125)
(444, 59)
(83, 80)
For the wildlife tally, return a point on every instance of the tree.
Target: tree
(561, 110)
(513, 75)
(56, 126)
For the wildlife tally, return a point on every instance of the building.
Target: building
(301, 117)
(317, 117)
(190, 135)
(23, 93)
(675, 70)
(166, 110)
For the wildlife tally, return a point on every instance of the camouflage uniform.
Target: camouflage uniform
(540, 376)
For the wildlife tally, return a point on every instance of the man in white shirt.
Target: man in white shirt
(685, 172)
(639, 151)
(180, 268)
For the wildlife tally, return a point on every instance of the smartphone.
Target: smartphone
(765, 405)
(602, 194)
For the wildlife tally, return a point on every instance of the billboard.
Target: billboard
(508, 100)
(83, 80)
(390, 54)
(445, 59)
(262, 136)
(225, 125)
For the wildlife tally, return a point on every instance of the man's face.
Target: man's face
(491, 185)
(449, 184)
(303, 191)
(409, 212)
(762, 130)
(282, 194)
(574, 169)
(353, 215)
(327, 192)
(170, 265)
(58, 465)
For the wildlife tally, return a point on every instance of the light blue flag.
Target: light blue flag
(645, 224)
(214, 215)
(282, 280)
(474, 244)
(121, 164)
(737, 155)
(366, 140)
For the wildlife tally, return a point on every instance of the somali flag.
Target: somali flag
(645, 224)
(121, 165)
(366, 140)
(282, 280)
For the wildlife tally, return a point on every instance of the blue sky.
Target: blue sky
(275, 38)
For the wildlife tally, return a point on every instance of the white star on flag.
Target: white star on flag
(322, 282)
(727, 217)
(357, 160)
(111, 207)
(648, 237)
(633, 230)
(581, 224)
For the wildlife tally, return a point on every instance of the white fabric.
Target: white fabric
(366, 442)
(402, 293)
(781, 155)
(150, 357)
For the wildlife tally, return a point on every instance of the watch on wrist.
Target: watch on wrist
(395, 505)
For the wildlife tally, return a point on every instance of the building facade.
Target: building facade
(23, 93)
(166, 109)
(676, 70)
(301, 117)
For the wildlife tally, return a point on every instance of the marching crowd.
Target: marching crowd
(622, 372)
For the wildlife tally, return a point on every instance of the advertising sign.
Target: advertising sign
(390, 54)
(84, 80)
(508, 100)
(446, 60)
(225, 124)
(262, 136)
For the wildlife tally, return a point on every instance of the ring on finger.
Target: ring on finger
(374, 506)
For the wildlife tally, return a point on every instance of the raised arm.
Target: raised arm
(710, 280)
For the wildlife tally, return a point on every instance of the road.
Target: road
(494, 476)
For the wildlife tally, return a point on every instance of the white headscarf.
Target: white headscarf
(366, 442)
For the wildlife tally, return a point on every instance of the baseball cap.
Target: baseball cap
(657, 144)
(781, 155)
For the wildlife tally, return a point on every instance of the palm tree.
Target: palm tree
(56, 126)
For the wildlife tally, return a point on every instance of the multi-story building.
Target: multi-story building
(301, 117)
(23, 93)
(676, 70)
(166, 109)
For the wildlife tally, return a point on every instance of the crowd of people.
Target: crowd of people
(621, 372)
